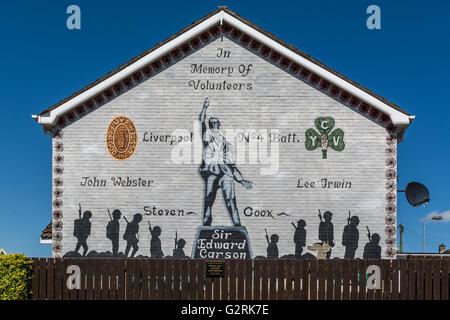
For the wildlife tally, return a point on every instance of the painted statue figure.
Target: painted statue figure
(326, 234)
(131, 234)
(82, 230)
(350, 237)
(299, 237)
(155, 242)
(218, 170)
(113, 230)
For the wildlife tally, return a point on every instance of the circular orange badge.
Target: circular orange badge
(121, 138)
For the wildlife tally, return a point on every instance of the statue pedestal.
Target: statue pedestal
(220, 242)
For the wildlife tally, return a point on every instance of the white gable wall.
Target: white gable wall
(277, 100)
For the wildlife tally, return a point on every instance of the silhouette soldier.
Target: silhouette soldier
(218, 170)
(113, 230)
(155, 242)
(131, 234)
(299, 237)
(178, 252)
(82, 230)
(272, 248)
(350, 237)
(372, 249)
(326, 234)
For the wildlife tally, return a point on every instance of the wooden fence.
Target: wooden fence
(170, 279)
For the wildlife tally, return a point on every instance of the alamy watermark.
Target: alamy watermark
(73, 21)
(374, 20)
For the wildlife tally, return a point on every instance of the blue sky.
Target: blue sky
(42, 62)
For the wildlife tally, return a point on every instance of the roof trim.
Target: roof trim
(400, 118)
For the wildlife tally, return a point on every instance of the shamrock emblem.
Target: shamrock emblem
(325, 138)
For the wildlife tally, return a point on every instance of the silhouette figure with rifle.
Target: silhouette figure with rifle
(299, 237)
(155, 242)
(131, 234)
(326, 231)
(113, 230)
(350, 236)
(372, 249)
(82, 230)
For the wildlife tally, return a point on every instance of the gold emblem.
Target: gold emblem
(121, 138)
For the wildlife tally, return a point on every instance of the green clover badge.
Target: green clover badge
(325, 138)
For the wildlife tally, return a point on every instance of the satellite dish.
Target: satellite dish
(417, 194)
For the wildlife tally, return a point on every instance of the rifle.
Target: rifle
(110, 218)
(150, 226)
(176, 239)
(79, 210)
(320, 216)
(368, 234)
(267, 236)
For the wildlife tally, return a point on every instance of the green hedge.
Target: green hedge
(16, 271)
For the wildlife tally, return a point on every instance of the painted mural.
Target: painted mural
(223, 121)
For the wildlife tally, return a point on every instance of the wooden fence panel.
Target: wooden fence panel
(176, 280)
(50, 279)
(337, 275)
(59, 279)
(289, 280)
(395, 291)
(192, 280)
(117, 279)
(272, 278)
(201, 280)
(436, 279)
(387, 276)
(264, 280)
(42, 278)
(420, 286)
(257, 280)
(329, 271)
(240, 276)
(445, 280)
(65, 290)
(403, 280)
(345, 279)
(145, 269)
(353, 277)
(159, 281)
(105, 278)
(313, 280)
(412, 279)
(321, 279)
(184, 269)
(121, 266)
(225, 281)
(248, 279)
(362, 268)
(281, 275)
(208, 288)
(232, 283)
(168, 271)
(428, 280)
(35, 280)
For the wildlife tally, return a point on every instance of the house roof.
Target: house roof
(223, 21)
(47, 232)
